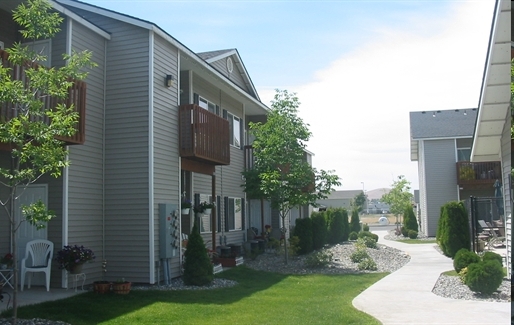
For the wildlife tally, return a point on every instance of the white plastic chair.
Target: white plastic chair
(40, 251)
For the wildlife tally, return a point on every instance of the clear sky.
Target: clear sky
(358, 67)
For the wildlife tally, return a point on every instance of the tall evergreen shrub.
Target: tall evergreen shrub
(303, 230)
(319, 230)
(337, 226)
(354, 221)
(453, 228)
(198, 268)
(409, 219)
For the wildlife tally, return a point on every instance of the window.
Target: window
(463, 154)
(234, 212)
(211, 107)
(234, 123)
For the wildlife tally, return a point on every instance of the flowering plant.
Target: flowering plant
(70, 256)
(8, 259)
(186, 203)
(203, 206)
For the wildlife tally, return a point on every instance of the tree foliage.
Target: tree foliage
(285, 177)
(399, 198)
(355, 223)
(409, 219)
(31, 134)
(453, 228)
(359, 201)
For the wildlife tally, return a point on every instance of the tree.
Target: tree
(31, 132)
(285, 177)
(409, 219)
(453, 228)
(355, 223)
(198, 269)
(399, 198)
(359, 201)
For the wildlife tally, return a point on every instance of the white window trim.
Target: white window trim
(234, 117)
(240, 213)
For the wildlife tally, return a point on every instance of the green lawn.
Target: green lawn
(259, 298)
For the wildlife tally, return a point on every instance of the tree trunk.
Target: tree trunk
(284, 231)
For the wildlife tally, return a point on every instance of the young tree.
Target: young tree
(359, 201)
(285, 176)
(31, 132)
(399, 198)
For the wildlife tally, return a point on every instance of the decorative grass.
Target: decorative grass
(259, 298)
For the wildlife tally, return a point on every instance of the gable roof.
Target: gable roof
(339, 195)
(447, 124)
(253, 107)
(213, 56)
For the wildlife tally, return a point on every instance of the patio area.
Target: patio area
(35, 295)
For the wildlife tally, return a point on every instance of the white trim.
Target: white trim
(78, 19)
(69, 37)
(1, 45)
(221, 56)
(178, 83)
(151, 231)
(444, 138)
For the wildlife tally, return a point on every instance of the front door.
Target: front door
(27, 232)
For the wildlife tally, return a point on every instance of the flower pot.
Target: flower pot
(121, 288)
(207, 211)
(102, 287)
(3, 266)
(185, 211)
(76, 269)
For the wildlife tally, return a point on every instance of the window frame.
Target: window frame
(232, 213)
(231, 118)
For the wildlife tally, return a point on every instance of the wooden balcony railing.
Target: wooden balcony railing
(204, 136)
(76, 96)
(480, 174)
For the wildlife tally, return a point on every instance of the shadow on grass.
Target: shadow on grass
(92, 308)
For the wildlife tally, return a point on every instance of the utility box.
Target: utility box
(169, 230)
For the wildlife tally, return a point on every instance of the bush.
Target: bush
(319, 259)
(405, 231)
(363, 234)
(294, 246)
(319, 230)
(353, 236)
(367, 264)
(453, 228)
(491, 256)
(303, 230)
(462, 275)
(409, 219)
(359, 255)
(463, 258)
(413, 234)
(354, 221)
(365, 227)
(367, 242)
(484, 277)
(198, 269)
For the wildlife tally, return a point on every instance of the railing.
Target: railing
(204, 136)
(249, 159)
(480, 173)
(76, 96)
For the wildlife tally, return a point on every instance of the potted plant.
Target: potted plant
(72, 258)
(204, 208)
(185, 205)
(7, 261)
(102, 286)
(121, 287)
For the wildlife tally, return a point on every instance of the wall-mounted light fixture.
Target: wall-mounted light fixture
(169, 81)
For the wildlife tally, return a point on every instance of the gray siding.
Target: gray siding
(85, 185)
(8, 29)
(506, 156)
(441, 179)
(165, 136)
(235, 76)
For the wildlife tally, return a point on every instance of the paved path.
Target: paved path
(405, 296)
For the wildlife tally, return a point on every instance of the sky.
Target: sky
(357, 67)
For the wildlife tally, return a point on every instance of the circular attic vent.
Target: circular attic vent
(230, 65)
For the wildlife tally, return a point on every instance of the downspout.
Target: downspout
(151, 230)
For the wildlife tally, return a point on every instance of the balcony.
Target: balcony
(76, 96)
(204, 136)
(478, 175)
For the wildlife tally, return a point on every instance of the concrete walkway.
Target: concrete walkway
(405, 296)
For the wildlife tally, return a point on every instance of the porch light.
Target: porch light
(169, 81)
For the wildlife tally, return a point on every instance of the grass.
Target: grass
(259, 298)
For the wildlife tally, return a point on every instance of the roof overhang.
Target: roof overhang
(493, 108)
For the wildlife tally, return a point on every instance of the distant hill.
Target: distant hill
(376, 194)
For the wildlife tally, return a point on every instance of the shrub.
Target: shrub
(294, 246)
(359, 255)
(319, 259)
(367, 242)
(354, 221)
(453, 228)
(367, 264)
(413, 234)
(319, 230)
(338, 228)
(363, 234)
(491, 256)
(353, 236)
(484, 277)
(365, 227)
(409, 219)
(405, 231)
(198, 269)
(463, 258)
(462, 275)
(303, 230)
